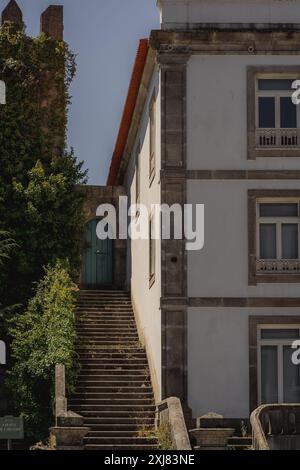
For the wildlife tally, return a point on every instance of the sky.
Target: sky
(104, 34)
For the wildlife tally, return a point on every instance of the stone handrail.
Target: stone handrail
(170, 411)
(274, 420)
(69, 430)
(61, 404)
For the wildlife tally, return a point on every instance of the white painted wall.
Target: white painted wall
(181, 14)
(217, 112)
(218, 359)
(147, 301)
(218, 362)
(221, 268)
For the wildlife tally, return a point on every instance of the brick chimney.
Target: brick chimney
(52, 22)
(13, 13)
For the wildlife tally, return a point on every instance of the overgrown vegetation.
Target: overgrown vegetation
(42, 337)
(162, 435)
(41, 209)
(6, 246)
(39, 203)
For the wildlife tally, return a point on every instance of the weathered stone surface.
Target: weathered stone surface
(69, 437)
(13, 13)
(52, 22)
(70, 420)
(212, 438)
(170, 411)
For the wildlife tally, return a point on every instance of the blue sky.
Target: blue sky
(104, 34)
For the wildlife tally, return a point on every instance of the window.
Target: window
(152, 159)
(152, 250)
(278, 230)
(273, 236)
(277, 117)
(137, 174)
(275, 106)
(278, 377)
(273, 118)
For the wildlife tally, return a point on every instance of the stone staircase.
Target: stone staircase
(113, 392)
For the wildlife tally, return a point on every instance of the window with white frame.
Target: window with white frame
(278, 230)
(277, 117)
(278, 376)
(152, 159)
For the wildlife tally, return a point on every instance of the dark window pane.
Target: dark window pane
(266, 112)
(288, 113)
(280, 334)
(290, 241)
(291, 377)
(278, 210)
(275, 84)
(269, 374)
(267, 234)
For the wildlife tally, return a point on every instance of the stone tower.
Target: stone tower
(52, 19)
(13, 13)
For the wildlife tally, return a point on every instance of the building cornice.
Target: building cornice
(226, 42)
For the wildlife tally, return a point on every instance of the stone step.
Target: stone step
(109, 334)
(105, 433)
(113, 384)
(114, 372)
(121, 447)
(80, 349)
(113, 328)
(114, 306)
(129, 379)
(102, 298)
(112, 390)
(114, 360)
(102, 330)
(119, 440)
(105, 414)
(134, 395)
(133, 401)
(105, 319)
(111, 355)
(240, 443)
(113, 366)
(98, 342)
(103, 323)
(122, 430)
(101, 408)
(119, 422)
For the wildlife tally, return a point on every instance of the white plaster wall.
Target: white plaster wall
(147, 301)
(217, 112)
(220, 269)
(182, 13)
(218, 359)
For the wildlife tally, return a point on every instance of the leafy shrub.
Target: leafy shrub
(42, 337)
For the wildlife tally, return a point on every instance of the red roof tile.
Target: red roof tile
(128, 111)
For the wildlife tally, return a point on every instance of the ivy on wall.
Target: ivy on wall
(39, 204)
(41, 209)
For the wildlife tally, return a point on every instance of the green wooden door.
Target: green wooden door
(97, 262)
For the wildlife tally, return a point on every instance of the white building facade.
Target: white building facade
(214, 123)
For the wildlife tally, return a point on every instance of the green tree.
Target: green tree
(39, 203)
(42, 337)
(6, 246)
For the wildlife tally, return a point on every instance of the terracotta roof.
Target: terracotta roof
(128, 111)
